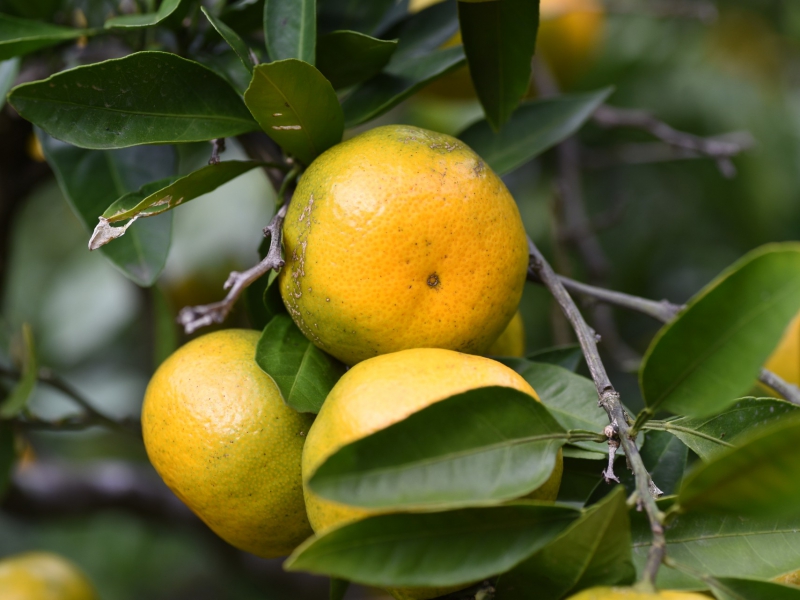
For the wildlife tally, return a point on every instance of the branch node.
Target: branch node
(611, 431)
(217, 148)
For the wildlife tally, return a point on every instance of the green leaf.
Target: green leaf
(665, 457)
(708, 436)
(366, 17)
(144, 98)
(386, 90)
(303, 372)
(165, 335)
(711, 353)
(7, 455)
(759, 477)
(433, 549)
(297, 107)
(499, 39)
(9, 69)
(729, 588)
(568, 356)
(144, 20)
(91, 180)
(595, 550)
(338, 588)
(533, 128)
(290, 29)
(480, 447)
(348, 57)
(234, 41)
(29, 371)
(163, 195)
(23, 36)
(570, 398)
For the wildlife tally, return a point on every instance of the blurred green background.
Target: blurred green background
(667, 227)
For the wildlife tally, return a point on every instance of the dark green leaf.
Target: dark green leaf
(433, 549)
(244, 16)
(398, 81)
(263, 299)
(144, 98)
(8, 73)
(147, 19)
(91, 180)
(297, 107)
(273, 303)
(711, 353)
(499, 39)
(665, 458)
(161, 196)
(708, 436)
(366, 17)
(290, 29)
(234, 41)
(165, 336)
(595, 550)
(580, 478)
(480, 447)
(303, 372)
(729, 588)
(759, 477)
(534, 127)
(570, 398)
(22, 36)
(422, 33)
(338, 588)
(349, 57)
(568, 356)
(7, 455)
(18, 398)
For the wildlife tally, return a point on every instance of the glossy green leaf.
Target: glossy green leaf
(7, 455)
(386, 90)
(303, 372)
(759, 477)
(595, 550)
(570, 398)
(416, 62)
(433, 549)
(568, 356)
(479, 447)
(161, 196)
(144, 98)
(23, 36)
(729, 588)
(18, 398)
(338, 588)
(499, 39)
(91, 180)
(290, 29)
(534, 127)
(708, 436)
(727, 546)
(297, 107)
(348, 57)
(580, 478)
(8, 73)
(234, 41)
(711, 353)
(166, 8)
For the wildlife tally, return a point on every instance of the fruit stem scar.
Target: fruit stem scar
(433, 280)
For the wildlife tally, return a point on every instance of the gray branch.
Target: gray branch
(609, 400)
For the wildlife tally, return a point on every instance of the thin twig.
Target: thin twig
(609, 400)
(789, 391)
(194, 317)
(217, 148)
(721, 149)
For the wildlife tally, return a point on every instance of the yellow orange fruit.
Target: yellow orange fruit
(785, 360)
(43, 576)
(402, 238)
(220, 435)
(384, 390)
(607, 593)
(512, 341)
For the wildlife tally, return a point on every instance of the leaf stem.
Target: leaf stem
(667, 426)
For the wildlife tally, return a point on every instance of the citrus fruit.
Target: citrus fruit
(384, 390)
(607, 593)
(512, 341)
(402, 238)
(218, 432)
(785, 360)
(43, 576)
